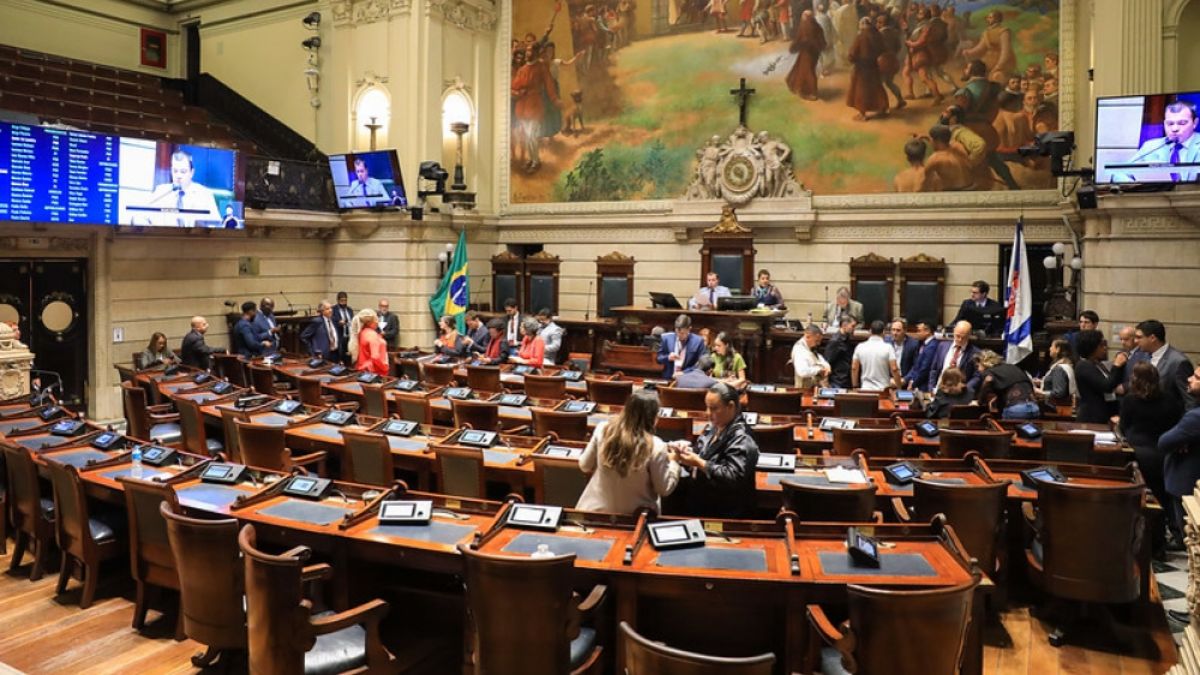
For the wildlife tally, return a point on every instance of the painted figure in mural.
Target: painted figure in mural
(995, 48)
(866, 93)
(807, 45)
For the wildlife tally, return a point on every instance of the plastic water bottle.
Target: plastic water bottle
(543, 551)
(136, 458)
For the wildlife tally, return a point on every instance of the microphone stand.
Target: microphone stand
(588, 307)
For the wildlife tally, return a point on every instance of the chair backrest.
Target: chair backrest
(774, 402)
(263, 446)
(460, 471)
(137, 420)
(262, 379)
(546, 386)
(976, 512)
(71, 513)
(436, 373)
(885, 624)
(1065, 446)
(415, 408)
(850, 503)
(479, 414)
(24, 491)
(779, 438)
(1091, 537)
(191, 424)
(646, 657)
(310, 390)
(955, 443)
(612, 392)
(229, 419)
(277, 619)
(558, 481)
(856, 405)
(682, 398)
(966, 411)
(375, 402)
(408, 368)
(581, 361)
(675, 429)
(366, 458)
(230, 367)
(538, 591)
(566, 425)
(484, 378)
(876, 442)
(150, 557)
(211, 578)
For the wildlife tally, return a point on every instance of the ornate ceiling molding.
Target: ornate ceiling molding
(355, 12)
(475, 17)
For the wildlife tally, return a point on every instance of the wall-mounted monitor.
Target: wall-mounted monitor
(367, 180)
(55, 175)
(1147, 139)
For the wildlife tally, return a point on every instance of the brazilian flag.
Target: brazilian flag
(451, 296)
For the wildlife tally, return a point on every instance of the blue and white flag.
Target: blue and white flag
(1018, 301)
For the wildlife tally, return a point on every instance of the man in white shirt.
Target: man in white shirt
(1174, 367)
(811, 368)
(706, 297)
(186, 203)
(552, 335)
(874, 364)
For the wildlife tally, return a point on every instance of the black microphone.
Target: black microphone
(230, 304)
(588, 307)
(285, 299)
(479, 290)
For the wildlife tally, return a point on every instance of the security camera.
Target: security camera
(311, 43)
(312, 21)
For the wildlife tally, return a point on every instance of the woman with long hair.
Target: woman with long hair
(1058, 386)
(728, 364)
(451, 343)
(1006, 389)
(952, 390)
(533, 347)
(629, 465)
(1146, 414)
(367, 347)
(157, 352)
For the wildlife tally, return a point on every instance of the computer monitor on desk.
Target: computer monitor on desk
(664, 301)
(991, 321)
(737, 303)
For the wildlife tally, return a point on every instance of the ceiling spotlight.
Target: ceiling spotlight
(311, 43)
(313, 20)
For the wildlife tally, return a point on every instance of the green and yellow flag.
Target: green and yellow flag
(451, 296)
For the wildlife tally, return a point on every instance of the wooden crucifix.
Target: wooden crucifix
(743, 95)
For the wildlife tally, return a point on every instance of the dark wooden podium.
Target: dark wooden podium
(748, 331)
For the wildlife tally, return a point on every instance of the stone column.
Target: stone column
(15, 362)
(1128, 46)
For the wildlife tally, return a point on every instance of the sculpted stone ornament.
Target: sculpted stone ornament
(742, 167)
(15, 362)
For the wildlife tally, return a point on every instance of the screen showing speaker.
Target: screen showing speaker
(1147, 139)
(367, 180)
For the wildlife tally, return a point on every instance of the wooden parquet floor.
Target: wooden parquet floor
(40, 633)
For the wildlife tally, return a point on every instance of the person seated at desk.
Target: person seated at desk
(630, 467)
(706, 297)
(320, 337)
(698, 377)
(982, 312)
(195, 351)
(247, 341)
(841, 306)
(728, 364)
(552, 335)
(839, 353)
(681, 349)
(766, 293)
(157, 352)
(951, 391)
(451, 343)
(1057, 386)
(811, 367)
(721, 479)
(478, 332)
(533, 347)
(496, 351)
(367, 347)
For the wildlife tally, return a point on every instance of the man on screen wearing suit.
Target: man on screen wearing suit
(956, 353)
(981, 309)
(366, 190)
(918, 376)
(1179, 145)
(320, 336)
(184, 194)
(681, 349)
(906, 348)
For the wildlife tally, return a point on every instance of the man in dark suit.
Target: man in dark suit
(247, 341)
(906, 348)
(839, 352)
(918, 376)
(1088, 320)
(320, 337)
(512, 325)
(1181, 445)
(1173, 366)
(957, 353)
(478, 332)
(681, 349)
(343, 314)
(389, 324)
(265, 325)
(195, 351)
(982, 312)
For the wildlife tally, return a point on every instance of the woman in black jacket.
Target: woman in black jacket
(1096, 404)
(1146, 414)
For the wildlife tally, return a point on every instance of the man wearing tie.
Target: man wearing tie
(186, 203)
(1179, 145)
(320, 336)
(389, 325)
(264, 323)
(366, 189)
(681, 349)
(706, 297)
(918, 376)
(343, 314)
(512, 325)
(982, 310)
(956, 353)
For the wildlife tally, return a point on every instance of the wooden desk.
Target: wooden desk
(747, 330)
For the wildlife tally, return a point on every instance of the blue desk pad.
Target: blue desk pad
(218, 496)
(713, 558)
(585, 549)
(39, 442)
(19, 425)
(148, 473)
(78, 458)
(435, 531)
(306, 512)
(890, 564)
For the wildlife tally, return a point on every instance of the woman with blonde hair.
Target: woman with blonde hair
(629, 465)
(367, 347)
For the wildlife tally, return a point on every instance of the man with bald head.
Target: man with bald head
(265, 326)
(957, 352)
(195, 352)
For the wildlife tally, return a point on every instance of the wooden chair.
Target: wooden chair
(976, 512)
(566, 425)
(460, 471)
(375, 401)
(85, 541)
(1065, 446)
(775, 402)
(1087, 544)
(286, 638)
(195, 435)
(850, 503)
(436, 373)
(856, 405)
(211, 582)
(558, 481)
(611, 392)
(31, 514)
(482, 415)
(780, 438)
(366, 458)
(549, 638)
(581, 361)
(675, 429)
(967, 411)
(484, 378)
(230, 367)
(546, 386)
(311, 393)
(229, 420)
(876, 442)
(415, 408)
(885, 624)
(682, 398)
(646, 657)
(146, 422)
(955, 443)
(265, 446)
(262, 378)
(151, 562)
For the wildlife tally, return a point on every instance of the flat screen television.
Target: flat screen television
(57, 175)
(1147, 139)
(366, 180)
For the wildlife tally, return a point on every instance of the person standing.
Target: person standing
(342, 316)
(195, 351)
(265, 324)
(388, 325)
(1173, 366)
(1146, 414)
(1096, 381)
(918, 376)
(873, 365)
(552, 335)
(512, 325)
(956, 353)
(320, 336)
(839, 354)
(1181, 443)
(721, 479)
(630, 467)
(367, 348)
(810, 366)
(247, 341)
(1006, 389)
